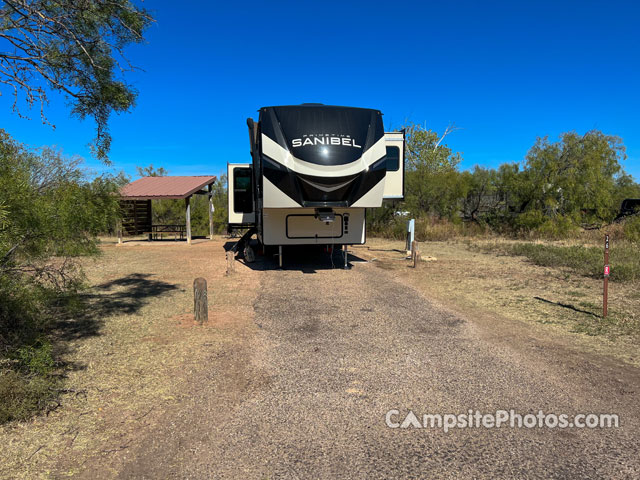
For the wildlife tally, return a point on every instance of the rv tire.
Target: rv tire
(249, 254)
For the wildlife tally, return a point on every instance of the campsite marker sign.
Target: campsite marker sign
(607, 270)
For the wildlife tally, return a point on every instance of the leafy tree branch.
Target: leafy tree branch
(75, 47)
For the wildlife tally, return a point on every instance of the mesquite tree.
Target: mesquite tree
(75, 47)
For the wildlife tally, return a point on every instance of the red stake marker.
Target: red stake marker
(607, 269)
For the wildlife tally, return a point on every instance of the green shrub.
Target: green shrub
(632, 229)
(558, 228)
(36, 359)
(21, 396)
(49, 214)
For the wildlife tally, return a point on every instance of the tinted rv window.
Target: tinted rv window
(242, 194)
(393, 159)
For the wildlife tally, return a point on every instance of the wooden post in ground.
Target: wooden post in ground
(187, 202)
(414, 253)
(200, 301)
(119, 229)
(211, 210)
(231, 260)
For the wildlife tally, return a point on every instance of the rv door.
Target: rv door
(240, 194)
(394, 179)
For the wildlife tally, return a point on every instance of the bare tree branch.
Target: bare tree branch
(450, 129)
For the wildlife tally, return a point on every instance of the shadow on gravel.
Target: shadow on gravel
(303, 258)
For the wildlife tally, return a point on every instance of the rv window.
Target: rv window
(242, 194)
(393, 159)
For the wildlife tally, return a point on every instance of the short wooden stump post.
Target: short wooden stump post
(200, 301)
(231, 262)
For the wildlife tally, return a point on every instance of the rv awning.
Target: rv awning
(152, 188)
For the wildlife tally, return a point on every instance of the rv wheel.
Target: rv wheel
(249, 254)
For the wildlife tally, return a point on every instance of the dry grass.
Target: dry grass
(128, 358)
(549, 301)
(586, 260)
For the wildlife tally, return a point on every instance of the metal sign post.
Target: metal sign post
(411, 231)
(605, 291)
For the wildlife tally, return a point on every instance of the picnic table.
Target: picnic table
(161, 230)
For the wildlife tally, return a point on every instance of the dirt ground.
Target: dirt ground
(502, 291)
(130, 361)
(304, 390)
(295, 369)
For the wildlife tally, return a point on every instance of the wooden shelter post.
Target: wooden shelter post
(150, 217)
(211, 209)
(119, 231)
(187, 202)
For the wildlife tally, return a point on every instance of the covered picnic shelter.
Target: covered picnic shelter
(136, 205)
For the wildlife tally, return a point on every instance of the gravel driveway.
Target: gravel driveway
(303, 391)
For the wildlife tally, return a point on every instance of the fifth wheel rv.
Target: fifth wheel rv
(314, 171)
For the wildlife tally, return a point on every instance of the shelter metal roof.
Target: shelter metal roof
(149, 188)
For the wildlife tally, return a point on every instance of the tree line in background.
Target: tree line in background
(560, 188)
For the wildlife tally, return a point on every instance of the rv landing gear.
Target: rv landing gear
(243, 246)
(280, 256)
(346, 261)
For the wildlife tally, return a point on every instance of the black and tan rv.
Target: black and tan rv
(314, 171)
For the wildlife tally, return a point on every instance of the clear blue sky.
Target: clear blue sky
(505, 72)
